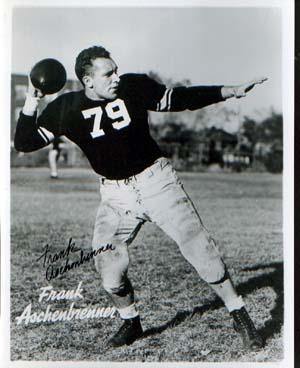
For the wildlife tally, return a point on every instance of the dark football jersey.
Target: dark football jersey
(114, 135)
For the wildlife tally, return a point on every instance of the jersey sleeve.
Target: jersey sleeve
(27, 136)
(193, 98)
(187, 98)
(33, 133)
(52, 118)
(157, 97)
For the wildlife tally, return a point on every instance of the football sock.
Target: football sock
(128, 312)
(227, 293)
(52, 162)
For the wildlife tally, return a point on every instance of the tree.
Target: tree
(268, 134)
(249, 130)
(269, 130)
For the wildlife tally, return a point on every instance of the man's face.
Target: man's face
(103, 79)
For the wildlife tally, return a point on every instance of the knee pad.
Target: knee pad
(120, 289)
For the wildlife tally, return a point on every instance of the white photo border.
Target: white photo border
(288, 174)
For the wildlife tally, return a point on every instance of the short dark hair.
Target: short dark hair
(85, 58)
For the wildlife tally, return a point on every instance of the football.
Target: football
(48, 75)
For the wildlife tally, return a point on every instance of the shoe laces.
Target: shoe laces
(245, 322)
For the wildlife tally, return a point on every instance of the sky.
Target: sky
(206, 45)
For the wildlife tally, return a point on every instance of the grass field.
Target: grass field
(182, 318)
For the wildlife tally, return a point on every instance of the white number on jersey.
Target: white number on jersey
(97, 111)
(115, 110)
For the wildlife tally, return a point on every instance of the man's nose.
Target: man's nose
(116, 78)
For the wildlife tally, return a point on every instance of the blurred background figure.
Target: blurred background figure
(53, 156)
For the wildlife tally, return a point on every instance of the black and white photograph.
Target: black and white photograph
(149, 185)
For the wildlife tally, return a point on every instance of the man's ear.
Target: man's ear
(88, 82)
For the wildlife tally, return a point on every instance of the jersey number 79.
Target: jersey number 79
(114, 110)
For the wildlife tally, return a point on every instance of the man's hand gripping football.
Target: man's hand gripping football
(32, 100)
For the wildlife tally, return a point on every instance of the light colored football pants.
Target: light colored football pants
(156, 195)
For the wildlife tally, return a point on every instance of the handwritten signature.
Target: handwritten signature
(49, 258)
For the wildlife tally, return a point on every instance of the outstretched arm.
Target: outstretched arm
(193, 98)
(28, 136)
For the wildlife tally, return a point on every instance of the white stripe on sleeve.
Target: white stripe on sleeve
(165, 103)
(45, 134)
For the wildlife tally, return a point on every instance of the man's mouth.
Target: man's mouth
(114, 89)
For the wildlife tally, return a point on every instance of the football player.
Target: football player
(53, 156)
(108, 120)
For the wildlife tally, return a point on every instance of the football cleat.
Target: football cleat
(244, 325)
(130, 331)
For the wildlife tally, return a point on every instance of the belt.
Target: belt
(126, 181)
